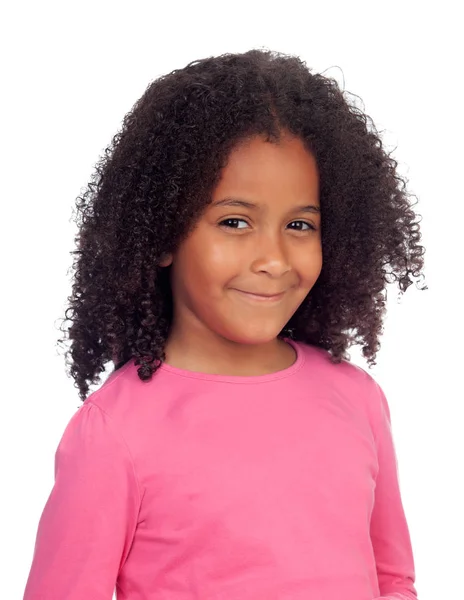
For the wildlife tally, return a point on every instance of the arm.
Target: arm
(389, 529)
(88, 522)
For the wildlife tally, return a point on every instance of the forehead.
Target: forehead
(263, 170)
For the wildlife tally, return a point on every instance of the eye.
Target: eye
(302, 226)
(233, 223)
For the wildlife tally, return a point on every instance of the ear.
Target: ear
(165, 260)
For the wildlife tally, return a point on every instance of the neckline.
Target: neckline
(250, 379)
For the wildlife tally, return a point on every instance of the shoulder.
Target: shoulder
(136, 408)
(99, 419)
(345, 378)
(115, 391)
(122, 395)
(346, 371)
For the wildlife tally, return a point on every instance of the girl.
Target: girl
(233, 246)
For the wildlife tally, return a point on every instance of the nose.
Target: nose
(270, 256)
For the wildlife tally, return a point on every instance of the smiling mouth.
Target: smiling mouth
(261, 297)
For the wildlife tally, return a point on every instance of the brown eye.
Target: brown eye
(233, 223)
(301, 226)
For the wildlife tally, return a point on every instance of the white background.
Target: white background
(70, 72)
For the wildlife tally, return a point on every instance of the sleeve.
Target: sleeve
(87, 525)
(389, 529)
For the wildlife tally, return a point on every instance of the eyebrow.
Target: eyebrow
(230, 201)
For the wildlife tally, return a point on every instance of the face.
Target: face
(256, 252)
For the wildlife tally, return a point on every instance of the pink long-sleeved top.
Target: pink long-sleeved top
(206, 487)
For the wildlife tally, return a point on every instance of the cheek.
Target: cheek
(308, 266)
(209, 263)
(223, 260)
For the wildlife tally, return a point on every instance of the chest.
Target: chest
(260, 464)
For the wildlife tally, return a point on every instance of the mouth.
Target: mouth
(261, 297)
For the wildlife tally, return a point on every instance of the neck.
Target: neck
(210, 353)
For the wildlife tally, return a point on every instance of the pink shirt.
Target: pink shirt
(208, 487)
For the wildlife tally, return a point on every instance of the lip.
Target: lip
(261, 297)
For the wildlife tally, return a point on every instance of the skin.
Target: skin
(234, 250)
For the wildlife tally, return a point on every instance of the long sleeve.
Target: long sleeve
(88, 522)
(389, 529)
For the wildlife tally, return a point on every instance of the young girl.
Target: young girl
(238, 239)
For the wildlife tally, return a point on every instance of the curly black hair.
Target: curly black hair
(158, 174)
